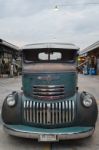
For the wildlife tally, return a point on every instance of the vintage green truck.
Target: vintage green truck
(49, 107)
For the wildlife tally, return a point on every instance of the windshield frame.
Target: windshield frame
(49, 51)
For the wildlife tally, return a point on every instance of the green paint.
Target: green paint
(68, 79)
(67, 130)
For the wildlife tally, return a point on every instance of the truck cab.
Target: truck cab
(49, 107)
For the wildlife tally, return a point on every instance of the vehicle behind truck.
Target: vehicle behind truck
(50, 107)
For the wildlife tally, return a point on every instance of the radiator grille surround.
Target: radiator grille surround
(42, 113)
(48, 92)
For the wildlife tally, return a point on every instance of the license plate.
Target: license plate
(46, 137)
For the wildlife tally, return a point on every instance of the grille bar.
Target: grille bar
(48, 93)
(48, 86)
(48, 113)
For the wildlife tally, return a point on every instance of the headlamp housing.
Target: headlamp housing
(11, 100)
(87, 100)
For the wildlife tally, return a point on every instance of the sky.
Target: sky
(27, 21)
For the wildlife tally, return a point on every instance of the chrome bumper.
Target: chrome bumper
(60, 135)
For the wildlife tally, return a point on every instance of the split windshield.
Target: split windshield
(38, 56)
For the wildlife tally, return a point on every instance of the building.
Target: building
(8, 52)
(91, 56)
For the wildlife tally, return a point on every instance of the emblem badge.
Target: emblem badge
(48, 77)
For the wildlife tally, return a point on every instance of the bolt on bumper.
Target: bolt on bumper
(69, 133)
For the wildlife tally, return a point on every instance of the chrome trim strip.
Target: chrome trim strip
(56, 113)
(44, 109)
(48, 89)
(48, 93)
(66, 111)
(37, 112)
(49, 97)
(34, 112)
(70, 111)
(24, 113)
(60, 136)
(40, 112)
(63, 112)
(27, 114)
(31, 111)
(73, 113)
(60, 112)
(48, 86)
(48, 114)
(53, 113)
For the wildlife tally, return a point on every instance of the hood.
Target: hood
(50, 85)
(48, 67)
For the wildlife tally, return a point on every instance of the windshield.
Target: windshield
(33, 56)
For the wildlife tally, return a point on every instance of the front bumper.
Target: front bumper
(59, 133)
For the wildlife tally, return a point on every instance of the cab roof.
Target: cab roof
(50, 45)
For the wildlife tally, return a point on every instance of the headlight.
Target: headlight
(87, 101)
(10, 100)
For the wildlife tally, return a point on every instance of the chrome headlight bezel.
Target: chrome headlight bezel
(87, 101)
(11, 100)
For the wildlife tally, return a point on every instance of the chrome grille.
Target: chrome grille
(49, 113)
(48, 91)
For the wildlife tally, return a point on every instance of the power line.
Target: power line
(79, 4)
(89, 4)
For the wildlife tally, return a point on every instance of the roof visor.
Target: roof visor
(50, 45)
